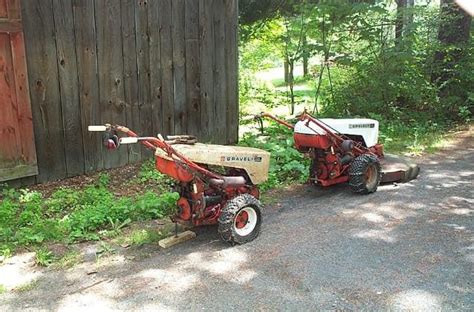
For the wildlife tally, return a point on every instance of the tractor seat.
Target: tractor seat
(228, 181)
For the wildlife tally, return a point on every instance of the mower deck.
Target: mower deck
(398, 169)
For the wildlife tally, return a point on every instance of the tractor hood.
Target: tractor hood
(255, 162)
(368, 129)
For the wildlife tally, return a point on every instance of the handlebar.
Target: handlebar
(154, 143)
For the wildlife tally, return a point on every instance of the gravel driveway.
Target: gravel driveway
(406, 247)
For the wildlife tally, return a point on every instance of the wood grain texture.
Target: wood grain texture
(219, 128)
(110, 67)
(87, 71)
(9, 136)
(68, 81)
(130, 74)
(154, 19)
(14, 10)
(3, 9)
(193, 88)
(167, 82)
(206, 54)
(17, 147)
(44, 89)
(24, 116)
(232, 70)
(162, 66)
(179, 67)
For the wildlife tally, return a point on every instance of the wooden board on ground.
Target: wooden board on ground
(173, 240)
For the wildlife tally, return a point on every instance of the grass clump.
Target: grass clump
(44, 257)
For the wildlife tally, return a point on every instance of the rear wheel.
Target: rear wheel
(240, 219)
(365, 174)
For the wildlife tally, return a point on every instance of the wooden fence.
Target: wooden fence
(157, 66)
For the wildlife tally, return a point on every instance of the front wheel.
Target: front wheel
(365, 174)
(240, 220)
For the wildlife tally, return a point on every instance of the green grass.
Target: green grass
(3, 289)
(44, 257)
(69, 260)
(140, 237)
(27, 287)
(69, 215)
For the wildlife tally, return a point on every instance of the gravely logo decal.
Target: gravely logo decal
(359, 126)
(241, 159)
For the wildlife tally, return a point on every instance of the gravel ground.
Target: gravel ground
(406, 247)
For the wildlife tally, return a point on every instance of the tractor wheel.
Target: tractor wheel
(365, 174)
(240, 219)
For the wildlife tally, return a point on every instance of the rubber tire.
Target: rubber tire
(231, 210)
(357, 170)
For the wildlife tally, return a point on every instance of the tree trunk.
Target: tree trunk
(286, 66)
(410, 14)
(291, 84)
(401, 7)
(305, 57)
(454, 31)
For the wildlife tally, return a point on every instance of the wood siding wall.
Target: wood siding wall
(157, 66)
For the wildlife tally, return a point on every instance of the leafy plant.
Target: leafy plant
(286, 164)
(73, 215)
(44, 257)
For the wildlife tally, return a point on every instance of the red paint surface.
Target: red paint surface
(16, 126)
(3, 9)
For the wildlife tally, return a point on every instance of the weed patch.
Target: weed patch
(26, 218)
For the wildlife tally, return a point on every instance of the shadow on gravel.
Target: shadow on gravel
(407, 246)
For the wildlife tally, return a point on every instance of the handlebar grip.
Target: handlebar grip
(97, 128)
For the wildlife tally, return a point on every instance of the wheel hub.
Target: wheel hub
(242, 219)
(245, 221)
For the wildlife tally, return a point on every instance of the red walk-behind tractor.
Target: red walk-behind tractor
(346, 150)
(217, 184)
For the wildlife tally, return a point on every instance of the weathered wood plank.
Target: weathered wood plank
(110, 63)
(87, 71)
(18, 171)
(167, 83)
(220, 95)
(25, 118)
(179, 68)
(14, 11)
(206, 52)
(174, 240)
(44, 89)
(154, 21)
(232, 67)
(3, 9)
(143, 63)
(9, 136)
(10, 26)
(130, 81)
(21, 182)
(68, 86)
(193, 98)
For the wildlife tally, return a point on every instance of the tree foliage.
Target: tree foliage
(401, 60)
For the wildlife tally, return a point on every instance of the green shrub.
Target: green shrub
(286, 164)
